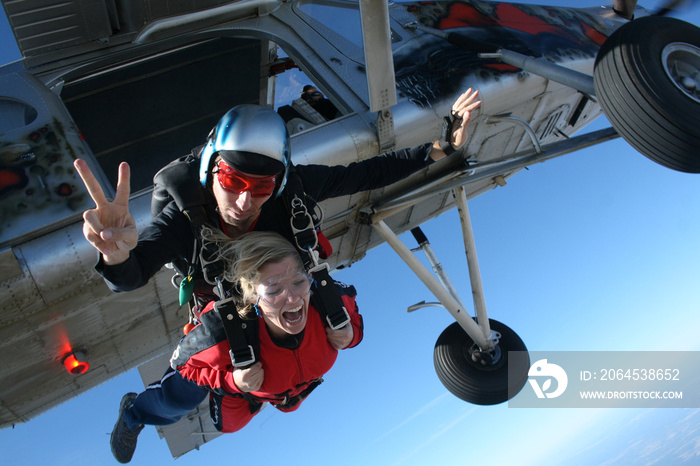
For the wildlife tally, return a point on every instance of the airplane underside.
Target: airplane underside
(542, 78)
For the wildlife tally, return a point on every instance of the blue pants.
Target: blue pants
(165, 402)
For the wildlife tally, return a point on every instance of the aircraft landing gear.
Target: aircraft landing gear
(477, 376)
(647, 79)
(471, 356)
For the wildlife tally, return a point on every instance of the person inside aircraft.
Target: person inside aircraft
(297, 347)
(311, 107)
(318, 102)
(243, 169)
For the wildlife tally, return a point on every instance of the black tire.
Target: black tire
(473, 382)
(639, 78)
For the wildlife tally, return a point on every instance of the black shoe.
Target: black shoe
(123, 439)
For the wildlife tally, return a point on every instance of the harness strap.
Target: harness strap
(178, 181)
(280, 401)
(241, 335)
(303, 222)
(326, 298)
(303, 215)
(212, 268)
(302, 225)
(289, 403)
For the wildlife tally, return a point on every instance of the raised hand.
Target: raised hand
(462, 113)
(109, 227)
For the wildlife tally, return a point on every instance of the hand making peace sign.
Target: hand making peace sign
(109, 227)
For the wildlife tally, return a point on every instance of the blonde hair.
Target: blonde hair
(245, 256)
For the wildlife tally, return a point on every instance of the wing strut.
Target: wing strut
(379, 61)
(443, 290)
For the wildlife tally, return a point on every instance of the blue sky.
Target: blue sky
(597, 250)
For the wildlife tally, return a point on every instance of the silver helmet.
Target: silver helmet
(252, 139)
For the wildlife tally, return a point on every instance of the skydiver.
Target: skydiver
(247, 153)
(296, 347)
(238, 201)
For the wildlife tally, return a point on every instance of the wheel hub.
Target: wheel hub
(485, 358)
(681, 62)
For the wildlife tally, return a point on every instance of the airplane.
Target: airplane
(113, 82)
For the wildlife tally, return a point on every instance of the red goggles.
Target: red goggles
(235, 181)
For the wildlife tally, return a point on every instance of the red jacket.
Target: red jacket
(290, 374)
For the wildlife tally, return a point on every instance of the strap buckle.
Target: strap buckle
(250, 355)
(345, 321)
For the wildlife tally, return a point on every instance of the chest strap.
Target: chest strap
(242, 335)
(326, 298)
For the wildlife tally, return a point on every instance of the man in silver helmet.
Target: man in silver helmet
(243, 168)
(244, 153)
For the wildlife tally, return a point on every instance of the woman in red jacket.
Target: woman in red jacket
(296, 347)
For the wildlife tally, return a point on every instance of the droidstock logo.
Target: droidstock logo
(547, 372)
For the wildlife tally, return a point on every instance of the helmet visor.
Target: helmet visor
(237, 182)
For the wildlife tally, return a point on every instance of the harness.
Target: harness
(179, 181)
(308, 239)
(213, 329)
(283, 401)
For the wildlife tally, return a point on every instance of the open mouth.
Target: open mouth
(293, 316)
